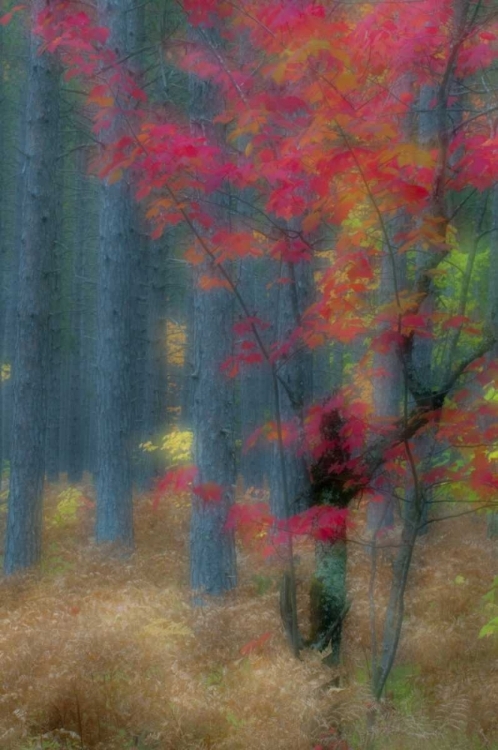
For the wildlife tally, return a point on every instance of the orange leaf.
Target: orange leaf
(256, 645)
(212, 282)
(195, 255)
(4, 20)
(115, 176)
(102, 101)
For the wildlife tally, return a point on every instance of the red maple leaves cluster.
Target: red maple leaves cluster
(317, 123)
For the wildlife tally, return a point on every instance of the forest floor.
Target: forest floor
(99, 652)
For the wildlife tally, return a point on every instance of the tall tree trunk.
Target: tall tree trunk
(138, 343)
(154, 416)
(212, 550)
(13, 110)
(188, 374)
(255, 384)
(387, 391)
(24, 521)
(54, 344)
(296, 372)
(114, 522)
(212, 547)
(290, 485)
(76, 366)
(3, 260)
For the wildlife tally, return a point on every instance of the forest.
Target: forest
(248, 374)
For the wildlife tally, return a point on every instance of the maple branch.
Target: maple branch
(420, 415)
(221, 62)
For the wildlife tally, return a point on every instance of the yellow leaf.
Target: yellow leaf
(115, 176)
(102, 101)
(176, 338)
(279, 72)
(311, 221)
(345, 81)
(165, 630)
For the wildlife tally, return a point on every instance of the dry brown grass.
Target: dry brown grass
(98, 652)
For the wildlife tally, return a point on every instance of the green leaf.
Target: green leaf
(491, 628)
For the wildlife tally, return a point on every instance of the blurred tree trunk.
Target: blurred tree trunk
(24, 521)
(388, 386)
(76, 366)
(212, 548)
(54, 341)
(155, 394)
(255, 385)
(14, 123)
(114, 522)
(296, 372)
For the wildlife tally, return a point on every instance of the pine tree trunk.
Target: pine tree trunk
(255, 384)
(76, 366)
(212, 547)
(24, 522)
(114, 522)
(297, 375)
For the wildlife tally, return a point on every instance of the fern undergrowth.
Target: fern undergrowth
(101, 653)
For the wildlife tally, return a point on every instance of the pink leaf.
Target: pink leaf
(175, 481)
(210, 492)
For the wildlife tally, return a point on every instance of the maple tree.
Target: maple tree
(321, 105)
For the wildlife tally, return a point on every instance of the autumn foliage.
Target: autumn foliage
(319, 126)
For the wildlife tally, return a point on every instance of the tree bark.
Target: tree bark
(212, 547)
(114, 522)
(24, 521)
(295, 389)
(255, 384)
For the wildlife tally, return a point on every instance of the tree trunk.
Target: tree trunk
(114, 521)
(295, 388)
(328, 600)
(76, 366)
(387, 391)
(212, 547)
(54, 345)
(212, 550)
(24, 521)
(154, 416)
(255, 385)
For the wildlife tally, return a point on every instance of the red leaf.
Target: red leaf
(247, 324)
(256, 515)
(456, 321)
(412, 192)
(210, 492)
(253, 439)
(325, 523)
(231, 367)
(255, 645)
(175, 481)
(213, 282)
(412, 320)
(4, 20)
